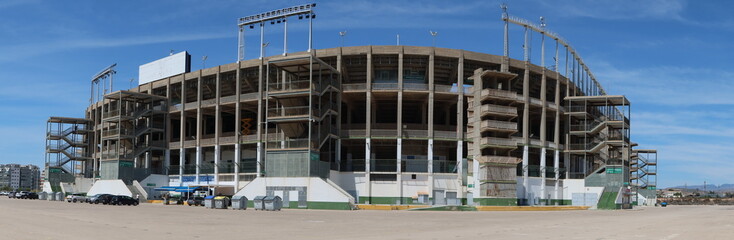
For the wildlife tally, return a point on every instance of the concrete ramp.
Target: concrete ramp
(116, 187)
(317, 193)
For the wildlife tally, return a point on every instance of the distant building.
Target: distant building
(18, 176)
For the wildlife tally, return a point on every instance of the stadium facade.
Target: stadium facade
(329, 128)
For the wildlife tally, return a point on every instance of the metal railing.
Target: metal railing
(414, 165)
(576, 109)
(291, 143)
(444, 166)
(384, 133)
(444, 88)
(415, 86)
(288, 111)
(444, 134)
(385, 86)
(292, 85)
(383, 165)
(354, 87)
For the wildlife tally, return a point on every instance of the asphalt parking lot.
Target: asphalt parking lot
(40, 219)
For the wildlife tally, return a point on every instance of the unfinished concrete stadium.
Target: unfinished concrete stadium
(399, 125)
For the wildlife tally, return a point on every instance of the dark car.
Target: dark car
(101, 198)
(195, 201)
(11, 195)
(123, 200)
(30, 195)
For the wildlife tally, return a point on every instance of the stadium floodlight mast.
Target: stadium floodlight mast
(101, 76)
(278, 15)
(434, 34)
(203, 61)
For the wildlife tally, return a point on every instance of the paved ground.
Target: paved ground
(36, 219)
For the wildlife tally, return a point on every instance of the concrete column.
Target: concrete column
(557, 130)
(341, 115)
(476, 135)
(525, 174)
(198, 129)
(556, 166)
(167, 160)
(525, 117)
(542, 175)
(367, 166)
(431, 113)
(399, 154)
(217, 156)
(237, 127)
(181, 161)
(167, 152)
(543, 123)
(198, 164)
(147, 160)
(182, 132)
(399, 170)
(368, 124)
(217, 126)
(260, 131)
(460, 109)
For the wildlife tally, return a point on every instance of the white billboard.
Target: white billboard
(165, 67)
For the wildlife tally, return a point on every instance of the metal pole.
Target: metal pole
(285, 37)
(241, 44)
(262, 40)
(310, 33)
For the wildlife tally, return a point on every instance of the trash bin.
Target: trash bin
(52, 196)
(42, 195)
(209, 201)
(273, 203)
(239, 203)
(258, 202)
(221, 202)
(59, 196)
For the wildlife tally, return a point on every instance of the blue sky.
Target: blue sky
(670, 57)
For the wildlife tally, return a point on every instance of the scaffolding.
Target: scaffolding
(644, 168)
(301, 116)
(133, 133)
(67, 149)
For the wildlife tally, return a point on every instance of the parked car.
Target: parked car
(123, 200)
(195, 201)
(21, 194)
(11, 195)
(77, 197)
(3, 193)
(100, 198)
(31, 195)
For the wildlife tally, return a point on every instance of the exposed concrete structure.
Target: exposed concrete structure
(375, 124)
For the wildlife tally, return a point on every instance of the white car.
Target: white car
(76, 198)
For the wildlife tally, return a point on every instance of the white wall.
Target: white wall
(116, 187)
(535, 188)
(317, 189)
(413, 187)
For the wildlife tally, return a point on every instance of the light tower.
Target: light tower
(275, 16)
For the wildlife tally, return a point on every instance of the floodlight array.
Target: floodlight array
(279, 15)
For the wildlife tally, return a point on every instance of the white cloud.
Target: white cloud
(15, 52)
(619, 10)
(667, 85)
